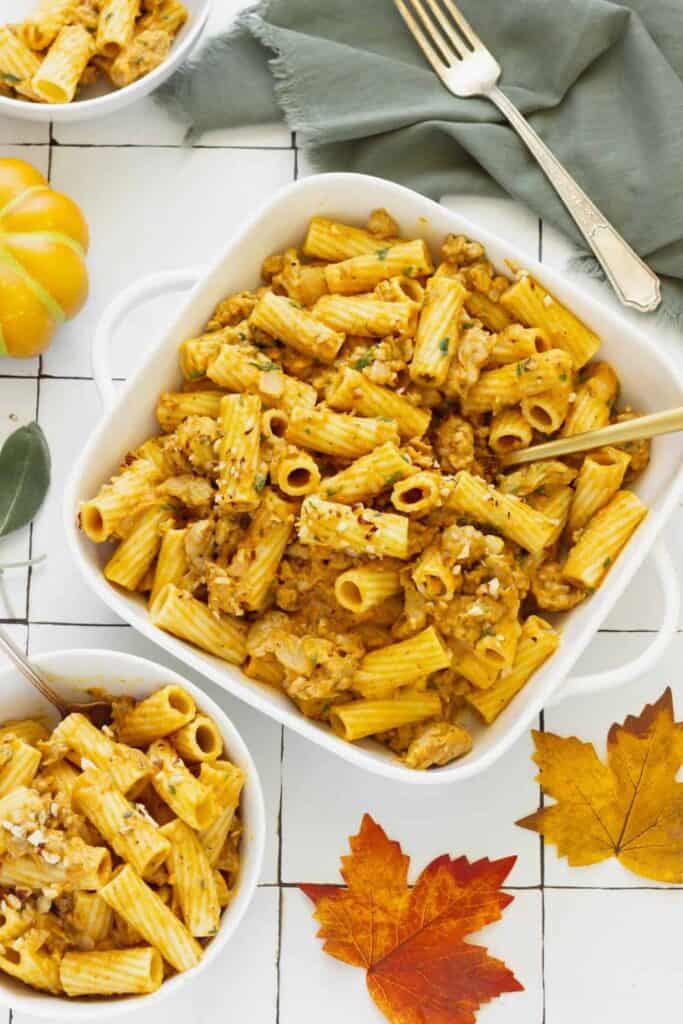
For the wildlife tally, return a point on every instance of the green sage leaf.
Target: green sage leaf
(24, 477)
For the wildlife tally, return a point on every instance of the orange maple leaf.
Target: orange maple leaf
(410, 940)
(631, 808)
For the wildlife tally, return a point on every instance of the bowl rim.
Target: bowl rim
(123, 665)
(114, 99)
(333, 185)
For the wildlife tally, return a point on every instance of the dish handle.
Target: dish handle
(119, 308)
(671, 599)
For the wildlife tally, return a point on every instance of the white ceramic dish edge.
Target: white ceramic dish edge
(276, 225)
(117, 672)
(116, 99)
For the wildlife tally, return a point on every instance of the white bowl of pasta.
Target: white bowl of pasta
(62, 60)
(340, 576)
(104, 905)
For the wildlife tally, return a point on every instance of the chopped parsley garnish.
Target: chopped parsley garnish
(382, 253)
(267, 366)
(391, 480)
(259, 481)
(606, 564)
(7, 77)
(466, 324)
(409, 271)
(563, 376)
(365, 360)
(443, 346)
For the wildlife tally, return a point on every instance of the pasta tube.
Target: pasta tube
(538, 640)
(240, 417)
(128, 832)
(164, 712)
(362, 718)
(255, 563)
(510, 431)
(19, 763)
(245, 368)
(594, 399)
(45, 21)
(172, 563)
(353, 391)
(361, 273)
(111, 972)
(179, 613)
(199, 740)
(603, 538)
(129, 768)
(174, 407)
(225, 781)
(294, 471)
(498, 647)
(599, 479)
(18, 63)
(32, 966)
(330, 240)
(438, 331)
(121, 498)
(553, 503)
(419, 494)
(492, 314)
(527, 301)
(474, 498)
(347, 437)
(134, 556)
(509, 384)
(57, 78)
(361, 531)
(75, 866)
(432, 576)
(192, 879)
(368, 475)
(359, 590)
(191, 801)
(547, 411)
(365, 315)
(27, 729)
(116, 25)
(537, 475)
(384, 670)
(142, 909)
(285, 319)
(514, 343)
(91, 916)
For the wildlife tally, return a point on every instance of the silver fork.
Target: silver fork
(467, 68)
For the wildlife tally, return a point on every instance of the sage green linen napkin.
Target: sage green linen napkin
(600, 80)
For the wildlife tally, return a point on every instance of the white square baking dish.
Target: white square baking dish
(650, 382)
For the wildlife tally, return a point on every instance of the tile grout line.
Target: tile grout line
(280, 901)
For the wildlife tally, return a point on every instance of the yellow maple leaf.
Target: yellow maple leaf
(630, 808)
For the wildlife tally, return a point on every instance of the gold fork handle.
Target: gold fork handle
(19, 660)
(633, 281)
(640, 427)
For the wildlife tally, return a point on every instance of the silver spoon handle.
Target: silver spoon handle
(19, 660)
(633, 281)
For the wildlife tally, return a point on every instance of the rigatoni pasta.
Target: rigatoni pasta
(75, 924)
(65, 44)
(333, 511)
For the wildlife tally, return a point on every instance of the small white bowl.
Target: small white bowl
(100, 99)
(72, 673)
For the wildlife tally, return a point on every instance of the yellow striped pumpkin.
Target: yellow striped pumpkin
(43, 277)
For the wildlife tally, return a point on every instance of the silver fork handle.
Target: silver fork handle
(633, 281)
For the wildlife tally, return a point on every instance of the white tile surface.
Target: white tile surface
(324, 800)
(148, 210)
(612, 956)
(17, 408)
(68, 410)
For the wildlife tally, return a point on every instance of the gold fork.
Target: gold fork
(467, 68)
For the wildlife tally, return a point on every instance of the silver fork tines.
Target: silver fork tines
(467, 68)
